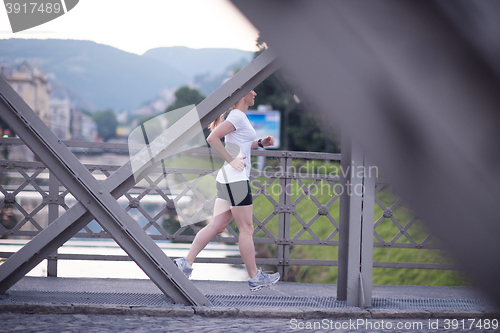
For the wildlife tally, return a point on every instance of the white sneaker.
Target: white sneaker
(262, 280)
(184, 266)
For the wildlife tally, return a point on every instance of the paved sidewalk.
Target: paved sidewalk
(50, 323)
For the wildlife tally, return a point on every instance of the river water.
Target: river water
(129, 269)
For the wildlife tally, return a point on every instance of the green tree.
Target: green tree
(185, 96)
(106, 124)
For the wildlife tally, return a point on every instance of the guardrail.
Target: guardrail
(296, 206)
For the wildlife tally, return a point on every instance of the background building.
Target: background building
(82, 126)
(60, 114)
(32, 84)
(54, 108)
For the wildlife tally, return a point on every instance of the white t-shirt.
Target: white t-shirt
(238, 143)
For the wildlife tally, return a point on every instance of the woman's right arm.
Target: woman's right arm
(214, 139)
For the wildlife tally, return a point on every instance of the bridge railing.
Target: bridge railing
(296, 206)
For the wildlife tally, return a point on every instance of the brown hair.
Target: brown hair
(219, 120)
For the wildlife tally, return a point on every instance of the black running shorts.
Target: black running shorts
(237, 193)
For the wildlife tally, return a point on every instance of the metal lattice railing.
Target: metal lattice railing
(296, 203)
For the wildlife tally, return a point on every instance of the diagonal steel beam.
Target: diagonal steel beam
(96, 199)
(58, 232)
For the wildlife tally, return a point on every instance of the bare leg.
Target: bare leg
(222, 217)
(243, 218)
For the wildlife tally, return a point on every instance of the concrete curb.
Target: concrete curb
(156, 311)
(212, 312)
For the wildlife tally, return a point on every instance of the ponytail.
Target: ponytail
(219, 120)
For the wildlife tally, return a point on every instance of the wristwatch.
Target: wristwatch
(260, 143)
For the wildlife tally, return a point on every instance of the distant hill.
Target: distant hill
(99, 74)
(194, 62)
(104, 76)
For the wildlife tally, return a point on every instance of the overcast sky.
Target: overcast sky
(139, 25)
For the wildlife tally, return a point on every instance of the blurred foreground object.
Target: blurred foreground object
(415, 84)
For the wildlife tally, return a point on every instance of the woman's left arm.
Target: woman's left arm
(266, 142)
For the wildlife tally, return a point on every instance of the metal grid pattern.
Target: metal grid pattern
(96, 298)
(24, 178)
(247, 301)
(152, 204)
(432, 304)
(408, 231)
(268, 301)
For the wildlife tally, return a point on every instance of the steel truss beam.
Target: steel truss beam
(355, 264)
(98, 200)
